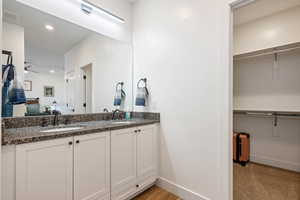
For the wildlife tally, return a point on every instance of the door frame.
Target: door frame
(1, 101)
(226, 186)
(84, 87)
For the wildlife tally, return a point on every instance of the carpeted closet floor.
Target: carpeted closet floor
(259, 182)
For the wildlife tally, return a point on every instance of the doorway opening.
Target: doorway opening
(266, 100)
(87, 86)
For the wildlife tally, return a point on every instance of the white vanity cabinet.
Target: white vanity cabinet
(123, 163)
(92, 167)
(112, 165)
(133, 160)
(44, 170)
(75, 168)
(147, 156)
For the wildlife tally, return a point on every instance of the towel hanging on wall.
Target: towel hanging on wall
(142, 93)
(8, 70)
(7, 77)
(120, 94)
(16, 93)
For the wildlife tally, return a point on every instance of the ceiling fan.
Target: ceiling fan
(28, 66)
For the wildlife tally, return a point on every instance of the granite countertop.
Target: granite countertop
(33, 134)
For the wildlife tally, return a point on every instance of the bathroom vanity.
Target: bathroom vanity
(89, 160)
(56, 143)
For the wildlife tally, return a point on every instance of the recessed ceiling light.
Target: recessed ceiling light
(49, 27)
(52, 71)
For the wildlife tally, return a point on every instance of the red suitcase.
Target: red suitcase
(241, 148)
(235, 148)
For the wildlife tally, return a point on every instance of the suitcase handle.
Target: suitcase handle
(239, 147)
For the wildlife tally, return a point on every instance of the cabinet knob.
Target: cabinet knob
(140, 130)
(137, 186)
(70, 143)
(77, 142)
(135, 131)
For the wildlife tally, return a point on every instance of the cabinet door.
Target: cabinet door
(8, 175)
(44, 170)
(147, 158)
(123, 163)
(92, 167)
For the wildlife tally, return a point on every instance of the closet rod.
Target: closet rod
(241, 57)
(269, 114)
(257, 113)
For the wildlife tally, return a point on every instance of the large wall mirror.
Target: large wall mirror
(60, 66)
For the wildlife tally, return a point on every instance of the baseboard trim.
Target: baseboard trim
(276, 163)
(180, 191)
(140, 192)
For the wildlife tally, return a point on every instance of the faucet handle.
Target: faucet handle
(44, 122)
(67, 121)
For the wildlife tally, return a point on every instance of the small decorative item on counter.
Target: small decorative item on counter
(142, 93)
(128, 115)
(48, 109)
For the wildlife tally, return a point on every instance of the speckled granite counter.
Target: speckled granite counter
(33, 133)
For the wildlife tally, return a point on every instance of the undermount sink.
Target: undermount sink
(62, 129)
(122, 122)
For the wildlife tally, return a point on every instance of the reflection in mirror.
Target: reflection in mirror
(60, 66)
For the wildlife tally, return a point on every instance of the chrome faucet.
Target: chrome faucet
(55, 120)
(114, 114)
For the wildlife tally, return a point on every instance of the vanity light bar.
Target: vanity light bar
(88, 7)
(241, 3)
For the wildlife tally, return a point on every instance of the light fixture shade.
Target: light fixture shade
(88, 7)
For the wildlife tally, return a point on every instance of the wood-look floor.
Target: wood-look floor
(259, 182)
(156, 193)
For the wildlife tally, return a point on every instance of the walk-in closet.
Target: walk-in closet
(266, 101)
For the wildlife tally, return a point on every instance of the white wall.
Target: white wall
(13, 40)
(111, 63)
(276, 146)
(275, 30)
(94, 22)
(182, 47)
(261, 85)
(39, 80)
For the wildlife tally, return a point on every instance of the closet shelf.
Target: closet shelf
(267, 113)
(269, 51)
